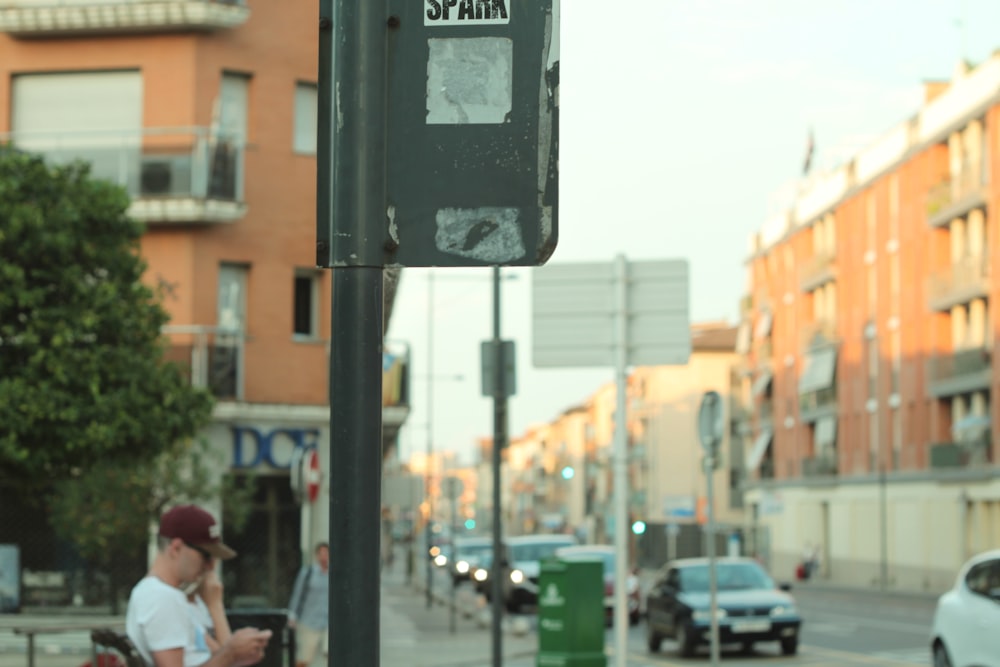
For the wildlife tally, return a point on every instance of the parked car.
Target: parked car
(966, 618)
(605, 554)
(522, 562)
(751, 608)
(466, 555)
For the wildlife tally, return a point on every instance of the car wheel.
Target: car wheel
(653, 638)
(941, 658)
(685, 642)
(789, 646)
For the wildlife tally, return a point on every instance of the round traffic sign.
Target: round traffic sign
(313, 476)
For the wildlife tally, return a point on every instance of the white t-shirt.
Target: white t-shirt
(159, 617)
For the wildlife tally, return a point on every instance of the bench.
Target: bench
(31, 631)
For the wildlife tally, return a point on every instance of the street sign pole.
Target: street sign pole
(621, 459)
(350, 208)
(710, 429)
(499, 442)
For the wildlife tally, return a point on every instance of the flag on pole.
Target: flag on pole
(810, 146)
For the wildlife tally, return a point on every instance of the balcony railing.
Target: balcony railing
(211, 358)
(954, 197)
(959, 372)
(819, 271)
(819, 466)
(43, 18)
(963, 281)
(171, 174)
(961, 454)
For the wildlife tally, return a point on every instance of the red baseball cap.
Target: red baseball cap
(195, 527)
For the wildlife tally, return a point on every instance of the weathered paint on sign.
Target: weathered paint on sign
(490, 234)
(470, 80)
(466, 12)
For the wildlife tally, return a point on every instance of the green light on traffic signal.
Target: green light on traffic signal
(470, 524)
(639, 527)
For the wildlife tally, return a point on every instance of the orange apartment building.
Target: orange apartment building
(205, 111)
(869, 332)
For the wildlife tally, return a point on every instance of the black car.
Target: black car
(751, 608)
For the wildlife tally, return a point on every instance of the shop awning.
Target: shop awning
(760, 446)
(825, 436)
(971, 427)
(761, 384)
(763, 328)
(820, 368)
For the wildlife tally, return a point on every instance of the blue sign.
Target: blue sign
(253, 447)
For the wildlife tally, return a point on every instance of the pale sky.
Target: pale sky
(682, 122)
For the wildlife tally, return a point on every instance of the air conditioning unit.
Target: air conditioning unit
(156, 177)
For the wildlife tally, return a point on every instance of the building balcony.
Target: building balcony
(60, 18)
(172, 175)
(210, 357)
(820, 270)
(955, 197)
(821, 465)
(817, 404)
(961, 454)
(959, 372)
(963, 281)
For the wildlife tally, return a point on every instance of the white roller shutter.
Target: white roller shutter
(90, 116)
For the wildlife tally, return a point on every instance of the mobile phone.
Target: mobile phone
(190, 587)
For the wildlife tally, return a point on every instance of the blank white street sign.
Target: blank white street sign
(574, 310)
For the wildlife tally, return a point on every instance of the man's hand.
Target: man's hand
(210, 589)
(246, 646)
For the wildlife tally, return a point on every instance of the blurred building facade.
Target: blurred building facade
(559, 476)
(867, 382)
(205, 112)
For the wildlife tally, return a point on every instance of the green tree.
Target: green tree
(83, 381)
(108, 511)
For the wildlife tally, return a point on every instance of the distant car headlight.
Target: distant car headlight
(440, 560)
(516, 576)
(705, 615)
(462, 567)
(783, 610)
(480, 575)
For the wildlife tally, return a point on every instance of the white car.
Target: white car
(964, 633)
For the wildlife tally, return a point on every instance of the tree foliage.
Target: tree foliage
(83, 381)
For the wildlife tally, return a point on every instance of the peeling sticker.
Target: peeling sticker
(490, 234)
(466, 12)
(469, 80)
(393, 228)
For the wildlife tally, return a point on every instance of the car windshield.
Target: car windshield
(474, 550)
(606, 558)
(533, 552)
(729, 577)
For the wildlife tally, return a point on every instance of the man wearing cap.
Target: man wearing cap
(158, 620)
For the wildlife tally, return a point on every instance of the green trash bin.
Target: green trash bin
(571, 614)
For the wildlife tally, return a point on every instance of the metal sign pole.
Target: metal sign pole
(713, 590)
(499, 442)
(350, 209)
(620, 460)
